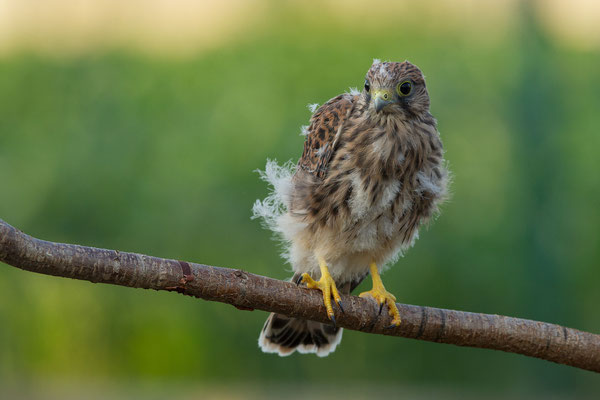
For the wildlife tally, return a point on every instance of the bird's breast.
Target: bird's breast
(390, 175)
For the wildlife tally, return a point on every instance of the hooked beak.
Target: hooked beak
(381, 98)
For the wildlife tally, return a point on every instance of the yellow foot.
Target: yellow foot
(326, 285)
(382, 296)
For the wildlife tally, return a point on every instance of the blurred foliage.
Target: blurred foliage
(156, 155)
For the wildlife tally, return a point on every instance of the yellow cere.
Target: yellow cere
(384, 94)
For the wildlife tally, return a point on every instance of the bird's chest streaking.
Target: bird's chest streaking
(385, 179)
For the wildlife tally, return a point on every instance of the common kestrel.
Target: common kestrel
(371, 173)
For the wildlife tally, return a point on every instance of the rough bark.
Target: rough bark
(248, 291)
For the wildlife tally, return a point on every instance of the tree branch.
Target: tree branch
(248, 291)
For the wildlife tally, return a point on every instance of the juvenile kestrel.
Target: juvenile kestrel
(371, 173)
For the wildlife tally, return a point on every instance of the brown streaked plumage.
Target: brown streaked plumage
(371, 173)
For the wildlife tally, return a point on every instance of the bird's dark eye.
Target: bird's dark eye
(404, 88)
(367, 86)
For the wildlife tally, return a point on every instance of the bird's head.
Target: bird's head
(392, 87)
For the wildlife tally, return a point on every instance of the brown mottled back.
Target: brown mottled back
(324, 126)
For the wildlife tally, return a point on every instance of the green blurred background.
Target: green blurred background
(137, 126)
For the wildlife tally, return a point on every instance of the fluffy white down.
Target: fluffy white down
(273, 209)
(313, 107)
(354, 91)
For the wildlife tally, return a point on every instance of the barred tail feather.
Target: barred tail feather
(284, 335)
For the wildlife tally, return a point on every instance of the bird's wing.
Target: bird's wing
(323, 132)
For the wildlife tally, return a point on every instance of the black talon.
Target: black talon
(333, 320)
(340, 305)
(391, 326)
(298, 280)
(381, 307)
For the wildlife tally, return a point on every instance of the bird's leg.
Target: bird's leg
(382, 296)
(326, 285)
